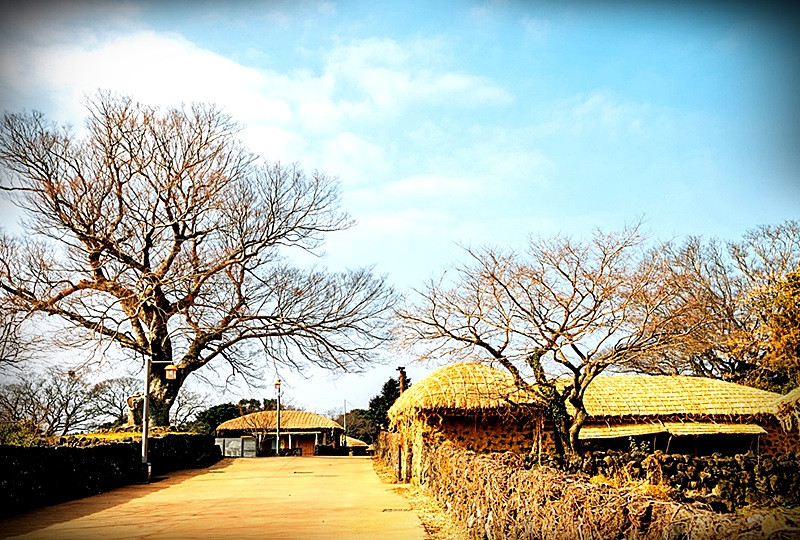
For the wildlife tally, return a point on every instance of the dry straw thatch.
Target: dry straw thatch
(473, 386)
(662, 395)
(496, 497)
(290, 420)
(467, 387)
(787, 409)
(352, 441)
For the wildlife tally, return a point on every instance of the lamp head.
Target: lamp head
(171, 371)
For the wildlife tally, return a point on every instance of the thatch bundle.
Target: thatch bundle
(787, 409)
(465, 387)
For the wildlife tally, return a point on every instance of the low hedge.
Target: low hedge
(35, 476)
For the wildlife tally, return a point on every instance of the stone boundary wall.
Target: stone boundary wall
(724, 482)
(496, 496)
(31, 477)
(398, 454)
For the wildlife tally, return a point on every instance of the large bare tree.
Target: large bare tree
(158, 232)
(746, 290)
(555, 317)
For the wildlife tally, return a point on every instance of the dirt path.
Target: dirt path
(272, 498)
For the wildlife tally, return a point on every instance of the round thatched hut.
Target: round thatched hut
(472, 405)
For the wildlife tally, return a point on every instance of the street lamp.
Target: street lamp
(278, 420)
(171, 374)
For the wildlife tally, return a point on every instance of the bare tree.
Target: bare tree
(57, 402)
(11, 346)
(158, 233)
(186, 407)
(555, 317)
(111, 398)
(743, 289)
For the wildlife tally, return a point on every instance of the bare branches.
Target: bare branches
(736, 286)
(165, 236)
(562, 308)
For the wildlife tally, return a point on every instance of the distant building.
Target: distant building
(300, 431)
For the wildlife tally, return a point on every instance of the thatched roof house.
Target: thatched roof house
(461, 402)
(298, 429)
(628, 406)
(356, 443)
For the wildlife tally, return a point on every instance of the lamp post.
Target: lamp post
(278, 420)
(345, 423)
(171, 373)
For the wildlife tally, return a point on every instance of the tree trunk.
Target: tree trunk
(162, 395)
(574, 431)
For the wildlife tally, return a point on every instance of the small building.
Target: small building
(471, 405)
(357, 447)
(301, 432)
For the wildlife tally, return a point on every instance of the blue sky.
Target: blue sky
(456, 123)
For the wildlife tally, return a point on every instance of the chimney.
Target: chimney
(402, 377)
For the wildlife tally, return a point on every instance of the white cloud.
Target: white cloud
(354, 160)
(431, 186)
(163, 69)
(599, 110)
(388, 75)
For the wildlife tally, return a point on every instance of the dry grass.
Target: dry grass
(431, 512)
(660, 490)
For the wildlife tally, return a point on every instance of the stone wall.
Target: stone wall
(724, 482)
(496, 496)
(392, 449)
(36, 476)
(778, 442)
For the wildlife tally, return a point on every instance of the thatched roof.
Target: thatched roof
(468, 386)
(352, 441)
(787, 409)
(662, 395)
(290, 420)
(473, 386)
(673, 428)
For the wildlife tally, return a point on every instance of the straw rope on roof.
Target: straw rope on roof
(673, 428)
(624, 430)
(712, 428)
(787, 409)
(290, 420)
(468, 386)
(659, 395)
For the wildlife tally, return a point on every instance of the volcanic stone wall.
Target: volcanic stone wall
(723, 482)
(778, 442)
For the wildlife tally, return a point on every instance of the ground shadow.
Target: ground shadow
(46, 516)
